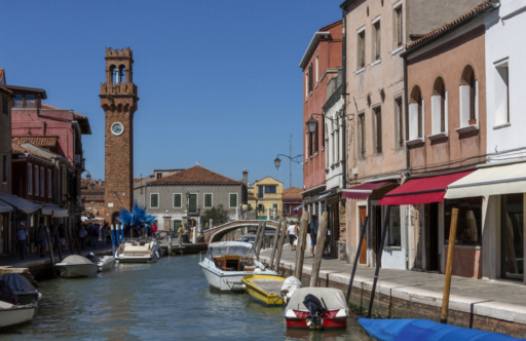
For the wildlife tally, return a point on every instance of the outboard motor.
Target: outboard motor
(91, 256)
(317, 309)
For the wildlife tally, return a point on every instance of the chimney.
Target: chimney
(245, 177)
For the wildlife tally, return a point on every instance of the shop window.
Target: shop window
(394, 234)
(469, 220)
(512, 236)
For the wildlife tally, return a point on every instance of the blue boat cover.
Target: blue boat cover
(424, 330)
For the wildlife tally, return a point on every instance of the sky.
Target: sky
(219, 81)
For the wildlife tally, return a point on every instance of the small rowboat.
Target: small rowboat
(265, 288)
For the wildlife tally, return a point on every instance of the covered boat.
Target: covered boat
(144, 250)
(317, 308)
(17, 289)
(265, 288)
(226, 263)
(422, 330)
(12, 314)
(76, 266)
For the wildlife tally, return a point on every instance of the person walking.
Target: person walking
(291, 231)
(21, 237)
(313, 232)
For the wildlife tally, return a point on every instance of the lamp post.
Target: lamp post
(296, 159)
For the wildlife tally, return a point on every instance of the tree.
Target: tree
(218, 215)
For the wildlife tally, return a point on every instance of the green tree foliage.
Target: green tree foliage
(217, 214)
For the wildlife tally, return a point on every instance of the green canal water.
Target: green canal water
(169, 300)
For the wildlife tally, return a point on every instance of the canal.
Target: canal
(169, 300)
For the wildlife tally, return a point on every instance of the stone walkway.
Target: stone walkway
(497, 299)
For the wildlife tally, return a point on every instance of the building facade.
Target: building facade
(5, 162)
(265, 198)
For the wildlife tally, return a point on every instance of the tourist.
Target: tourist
(21, 237)
(291, 231)
(313, 232)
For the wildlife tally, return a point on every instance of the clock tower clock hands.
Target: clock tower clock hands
(118, 98)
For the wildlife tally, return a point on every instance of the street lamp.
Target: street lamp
(277, 162)
(296, 159)
(312, 124)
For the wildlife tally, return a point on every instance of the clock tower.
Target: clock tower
(118, 99)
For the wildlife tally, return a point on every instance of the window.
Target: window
(270, 189)
(18, 101)
(37, 180)
(361, 50)
(310, 80)
(469, 220)
(29, 179)
(177, 200)
(398, 29)
(416, 115)
(377, 115)
(208, 200)
(4, 168)
(394, 237)
(502, 93)
(361, 135)
(49, 183)
(122, 74)
(192, 203)
(317, 70)
(5, 104)
(468, 98)
(313, 141)
(154, 200)
(399, 123)
(175, 224)
(114, 73)
(377, 40)
(337, 139)
(232, 200)
(261, 191)
(30, 101)
(439, 107)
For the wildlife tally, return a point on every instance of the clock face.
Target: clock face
(117, 128)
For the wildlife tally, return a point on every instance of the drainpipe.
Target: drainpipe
(407, 159)
(344, 93)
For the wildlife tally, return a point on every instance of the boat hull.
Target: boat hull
(16, 315)
(77, 270)
(224, 280)
(106, 263)
(327, 323)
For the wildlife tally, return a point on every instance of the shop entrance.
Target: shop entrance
(431, 238)
(512, 236)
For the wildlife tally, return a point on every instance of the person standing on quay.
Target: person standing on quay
(313, 232)
(21, 236)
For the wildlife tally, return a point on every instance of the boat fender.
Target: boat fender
(290, 284)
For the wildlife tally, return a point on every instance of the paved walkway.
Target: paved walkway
(497, 299)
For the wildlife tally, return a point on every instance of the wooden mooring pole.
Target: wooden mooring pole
(363, 230)
(444, 309)
(260, 235)
(379, 259)
(277, 233)
(318, 250)
(300, 249)
(283, 229)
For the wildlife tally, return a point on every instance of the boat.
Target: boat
(144, 250)
(104, 263)
(12, 314)
(17, 289)
(226, 263)
(265, 288)
(422, 330)
(75, 266)
(317, 308)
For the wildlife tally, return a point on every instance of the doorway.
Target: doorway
(333, 232)
(512, 239)
(362, 215)
(431, 238)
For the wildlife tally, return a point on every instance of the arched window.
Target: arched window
(416, 111)
(122, 74)
(468, 93)
(114, 73)
(439, 107)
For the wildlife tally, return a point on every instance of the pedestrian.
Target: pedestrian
(180, 233)
(313, 232)
(291, 231)
(42, 240)
(82, 236)
(21, 237)
(154, 229)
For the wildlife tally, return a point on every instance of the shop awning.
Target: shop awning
(494, 180)
(422, 190)
(26, 206)
(54, 210)
(363, 191)
(5, 208)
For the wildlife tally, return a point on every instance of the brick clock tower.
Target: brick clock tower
(118, 99)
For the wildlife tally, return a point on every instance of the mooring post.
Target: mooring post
(277, 233)
(379, 259)
(318, 250)
(444, 309)
(259, 239)
(300, 249)
(283, 229)
(363, 230)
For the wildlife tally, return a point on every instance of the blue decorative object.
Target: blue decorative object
(424, 330)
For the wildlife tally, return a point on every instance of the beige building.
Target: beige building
(376, 35)
(265, 196)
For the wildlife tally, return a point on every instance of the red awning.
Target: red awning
(363, 191)
(422, 190)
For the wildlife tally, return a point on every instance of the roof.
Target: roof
(83, 122)
(452, 25)
(18, 88)
(198, 176)
(292, 194)
(316, 38)
(40, 141)
(34, 150)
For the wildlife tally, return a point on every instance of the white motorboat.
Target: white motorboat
(75, 266)
(104, 263)
(138, 251)
(226, 263)
(12, 315)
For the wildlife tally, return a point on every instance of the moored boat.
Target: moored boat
(226, 263)
(265, 288)
(17, 289)
(104, 263)
(317, 308)
(12, 314)
(76, 266)
(422, 330)
(144, 250)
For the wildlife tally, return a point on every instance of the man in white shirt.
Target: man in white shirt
(292, 232)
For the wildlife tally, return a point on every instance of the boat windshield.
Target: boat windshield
(231, 250)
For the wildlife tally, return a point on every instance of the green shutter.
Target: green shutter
(192, 205)
(233, 200)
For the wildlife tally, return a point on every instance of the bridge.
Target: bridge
(215, 233)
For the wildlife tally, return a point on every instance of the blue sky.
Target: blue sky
(219, 81)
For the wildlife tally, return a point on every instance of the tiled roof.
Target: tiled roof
(40, 141)
(196, 175)
(450, 26)
(292, 194)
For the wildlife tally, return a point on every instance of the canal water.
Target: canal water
(169, 300)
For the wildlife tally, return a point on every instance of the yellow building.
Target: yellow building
(265, 198)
